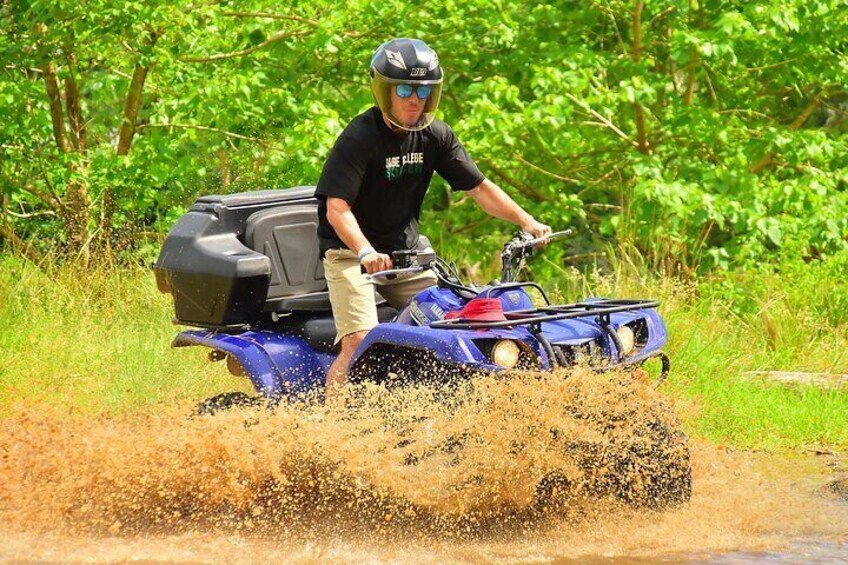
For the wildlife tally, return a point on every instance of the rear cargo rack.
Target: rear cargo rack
(601, 308)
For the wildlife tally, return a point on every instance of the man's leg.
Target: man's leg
(354, 309)
(337, 374)
(400, 291)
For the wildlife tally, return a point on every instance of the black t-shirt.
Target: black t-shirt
(384, 176)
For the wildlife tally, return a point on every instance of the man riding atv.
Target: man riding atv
(373, 184)
(244, 271)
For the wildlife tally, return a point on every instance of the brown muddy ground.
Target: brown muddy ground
(415, 475)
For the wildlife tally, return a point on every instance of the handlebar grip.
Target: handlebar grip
(392, 274)
(387, 276)
(551, 237)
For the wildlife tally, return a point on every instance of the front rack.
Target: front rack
(534, 316)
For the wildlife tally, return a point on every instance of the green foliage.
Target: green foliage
(727, 326)
(699, 133)
(792, 320)
(94, 340)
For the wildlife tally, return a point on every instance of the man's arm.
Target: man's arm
(347, 228)
(495, 202)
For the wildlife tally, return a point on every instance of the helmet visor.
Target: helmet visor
(409, 105)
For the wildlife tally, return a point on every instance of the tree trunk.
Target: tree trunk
(692, 74)
(75, 119)
(636, 55)
(224, 162)
(8, 233)
(55, 100)
(131, 107)
(75, 213)
(767, 160)
(129, 119)
(694, 56)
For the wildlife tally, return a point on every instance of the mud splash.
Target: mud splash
(385, 474)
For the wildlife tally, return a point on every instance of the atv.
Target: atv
(245, 270)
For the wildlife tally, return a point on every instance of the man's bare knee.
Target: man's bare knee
(351, 341)
(337, 374)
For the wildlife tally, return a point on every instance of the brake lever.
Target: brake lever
(390, 274)
(387, 273)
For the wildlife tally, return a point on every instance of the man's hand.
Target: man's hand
(536, 229)
(375, 262)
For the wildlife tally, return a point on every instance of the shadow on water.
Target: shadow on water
(503, 469)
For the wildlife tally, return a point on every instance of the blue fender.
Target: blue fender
(657, 333)
(576, 331)
(449, 346)
(277, 364)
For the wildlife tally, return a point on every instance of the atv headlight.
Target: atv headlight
(506, 353)
(627, 339)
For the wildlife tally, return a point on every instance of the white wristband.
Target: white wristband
(365, 251)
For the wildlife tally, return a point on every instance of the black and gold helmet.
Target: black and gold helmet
(406, 65)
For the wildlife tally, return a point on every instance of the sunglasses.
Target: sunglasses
(405, 90)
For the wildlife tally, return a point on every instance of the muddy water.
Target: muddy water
(417, 475)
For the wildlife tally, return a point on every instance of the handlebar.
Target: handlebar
(410, 262)
(521, 246)
(524, 240)
(549, 238)
(392, 274)
(406, 262)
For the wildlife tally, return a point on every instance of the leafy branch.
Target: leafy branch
(279, 36)
(205, 128)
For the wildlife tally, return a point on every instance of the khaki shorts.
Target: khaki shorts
(352, 296)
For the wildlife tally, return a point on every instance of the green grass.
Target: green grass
(99, 340)
(94, 340)
(782, 318)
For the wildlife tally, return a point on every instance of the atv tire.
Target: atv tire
(226, 401)
(652, 470)
(554, 494)
(666, 453)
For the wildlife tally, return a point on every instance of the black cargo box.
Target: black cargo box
(232, 259)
